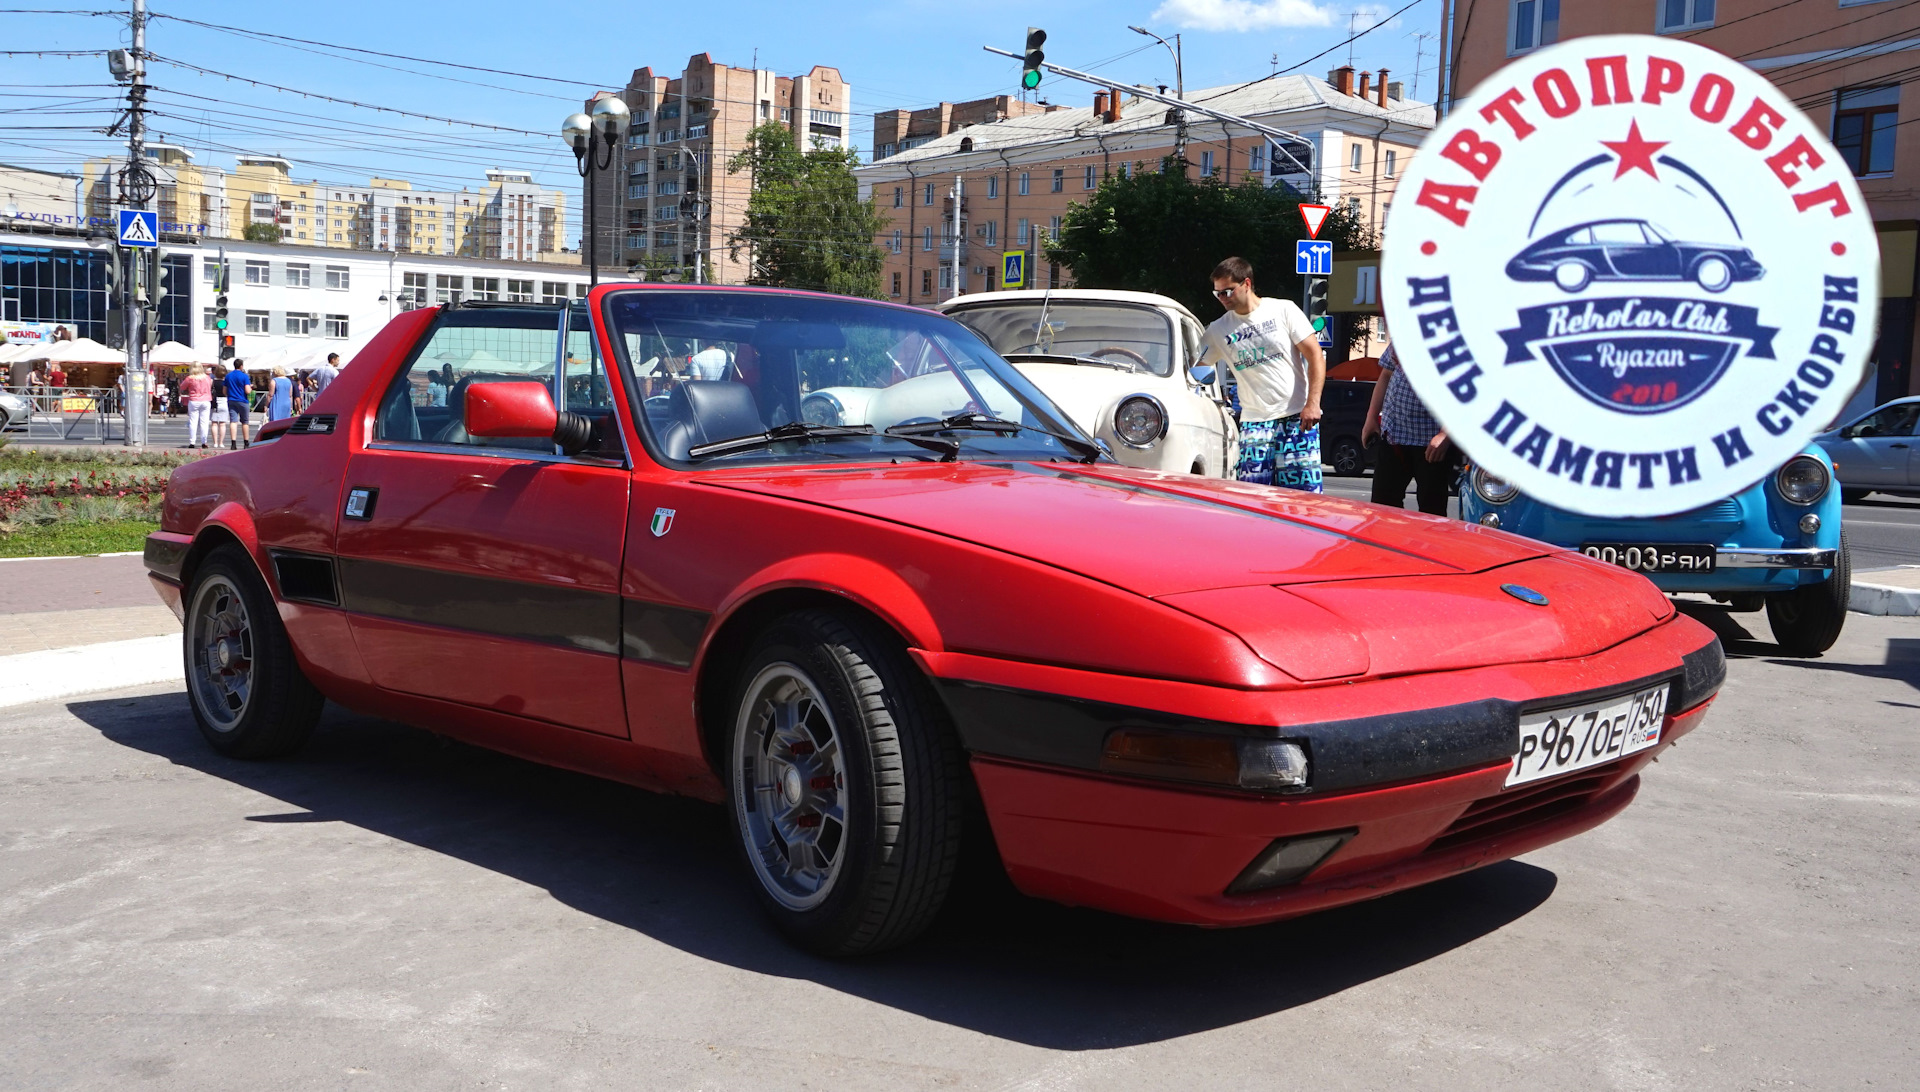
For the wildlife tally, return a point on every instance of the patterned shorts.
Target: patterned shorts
(1280, 453)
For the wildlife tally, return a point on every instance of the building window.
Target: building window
(413, 291)
(898, 238)
(993, 186)
(1353, 161)
(519, 291)
(926, 282)
(1863, 128)
(993, 233)
(257, 322)
(447, 288)
(668, 188)
(1053, 275)
(1674, 14)
(299, 276)
(946, 276)
(636, 190)
(338, 278)
(299, 325)
(257, 272)
(1257, 158)
(486, 288)
(210, 271)
(553, 291)
(899, 198)
(1026, 181)
(1053, 230)
(1088, 181)
(1534, 23)
(1206, 164)
(337, 327)
(926, 197)
(1021, 231)
(206, 318)
(896, 284)
(1059, 179)
(926, 238)
(667, 212)
(1390, 157)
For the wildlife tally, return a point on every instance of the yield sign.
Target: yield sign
(1314, 215)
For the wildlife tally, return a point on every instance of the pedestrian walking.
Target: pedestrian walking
(1416, 448)
(197, 389)
(239, 407)
(217, 412)
(56, 376)
(280, 400)
(325, 374)
(1278, 367)
(173, 393)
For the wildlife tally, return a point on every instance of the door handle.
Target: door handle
(1901, 446)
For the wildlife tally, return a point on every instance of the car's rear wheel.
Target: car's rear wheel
(1347, 457)
(1713, 273)
(844, 778)
(248, 694)
(1572, 276)
(1807, 620)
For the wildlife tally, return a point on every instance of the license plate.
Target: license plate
(1653, 557)
(1559, 741)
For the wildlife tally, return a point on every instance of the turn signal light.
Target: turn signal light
(1238, 762)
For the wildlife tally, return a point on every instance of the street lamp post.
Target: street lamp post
(609, 120)
(1179, 91)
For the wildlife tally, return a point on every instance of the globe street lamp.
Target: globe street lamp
(609, 120)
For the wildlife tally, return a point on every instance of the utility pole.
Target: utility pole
(954, 255)
(136, 187)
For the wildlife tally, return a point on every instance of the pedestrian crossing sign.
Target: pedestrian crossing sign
(1013, 269)
(139, 228)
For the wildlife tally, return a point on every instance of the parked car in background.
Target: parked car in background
(1777, 545)
(1344, 405)
(1124, 365)
(15, 411)
(1877, 452)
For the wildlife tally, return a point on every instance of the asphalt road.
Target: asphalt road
(1882, 531)
(388, 911)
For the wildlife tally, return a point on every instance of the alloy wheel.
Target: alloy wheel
(790, 787)
(221, 641)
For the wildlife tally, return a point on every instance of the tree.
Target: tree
(806, 226)
(261, 233)
(1160, 231)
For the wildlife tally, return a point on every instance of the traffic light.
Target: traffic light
(161, 272)
(1317, 304)
(220, 311)
(1030, 78)
(226, 346)
(114, 301)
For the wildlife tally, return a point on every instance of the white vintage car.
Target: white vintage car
(1125, 365)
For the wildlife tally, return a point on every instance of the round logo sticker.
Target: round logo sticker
(1629, 277)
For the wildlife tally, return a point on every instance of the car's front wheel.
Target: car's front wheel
(1572, 276)
(1807, 620)
(845, 784)
(248, 694)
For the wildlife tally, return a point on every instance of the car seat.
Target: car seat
(705, 410)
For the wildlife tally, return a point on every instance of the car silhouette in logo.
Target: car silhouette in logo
(1630, 250)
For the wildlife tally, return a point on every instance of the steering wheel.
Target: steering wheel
(1123, 351)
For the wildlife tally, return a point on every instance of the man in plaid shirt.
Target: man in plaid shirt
(1416, 448)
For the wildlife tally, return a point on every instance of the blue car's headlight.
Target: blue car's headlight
(1493, 490)
(1803, 479)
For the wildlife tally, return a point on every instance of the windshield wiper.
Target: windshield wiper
(982, 422)
(803, 432)
(799, 431)
(1123, 366)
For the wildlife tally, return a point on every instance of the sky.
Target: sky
(902, 54)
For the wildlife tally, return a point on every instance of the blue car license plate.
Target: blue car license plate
(1653, 557)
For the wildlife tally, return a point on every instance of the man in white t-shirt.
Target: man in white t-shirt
(1276, 362)
(325, 374)
(709, 363)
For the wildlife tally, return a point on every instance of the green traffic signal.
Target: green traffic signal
(1030, 79)
(219, 324)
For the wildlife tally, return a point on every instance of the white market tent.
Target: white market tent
(84, 350)
(173, 354)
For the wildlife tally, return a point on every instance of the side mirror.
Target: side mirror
(522, 410)
(1201, 375)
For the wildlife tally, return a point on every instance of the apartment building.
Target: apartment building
(1848, 64)
(667, 201)
(49, 196)
(191, 198)
(903, 130)
(1017, 176)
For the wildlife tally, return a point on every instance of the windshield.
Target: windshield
(1128, 334)
(709, 366)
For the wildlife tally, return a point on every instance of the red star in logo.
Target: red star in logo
(1635, 152)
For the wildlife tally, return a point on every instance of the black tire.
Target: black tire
(1807, 620)
(233, 639)
(1853, 496)
(895, 780)
(1347, 457)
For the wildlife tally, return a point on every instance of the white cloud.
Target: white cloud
(1242, 14)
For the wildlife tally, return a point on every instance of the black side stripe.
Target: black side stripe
(661, 634)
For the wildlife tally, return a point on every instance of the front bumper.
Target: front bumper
(1422, 802)
(1732, 558)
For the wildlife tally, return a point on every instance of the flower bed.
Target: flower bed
(73, 499)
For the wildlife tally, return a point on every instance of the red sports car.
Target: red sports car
(603, 536)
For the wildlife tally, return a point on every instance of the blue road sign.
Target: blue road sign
(1013, 269)
(1313, 258)
(139, 228)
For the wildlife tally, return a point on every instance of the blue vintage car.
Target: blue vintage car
(1777, 544)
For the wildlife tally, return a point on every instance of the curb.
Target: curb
(1884, 599)
(29, 677)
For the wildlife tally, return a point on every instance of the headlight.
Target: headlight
(821, 409)
(1493, 490)
(1803, 480)
(1272, 765)
(1140, 421)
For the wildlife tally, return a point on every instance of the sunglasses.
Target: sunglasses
(1223, 293)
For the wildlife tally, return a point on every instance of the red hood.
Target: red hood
(1152, 533)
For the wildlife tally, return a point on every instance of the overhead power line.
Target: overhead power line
(330, 98)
